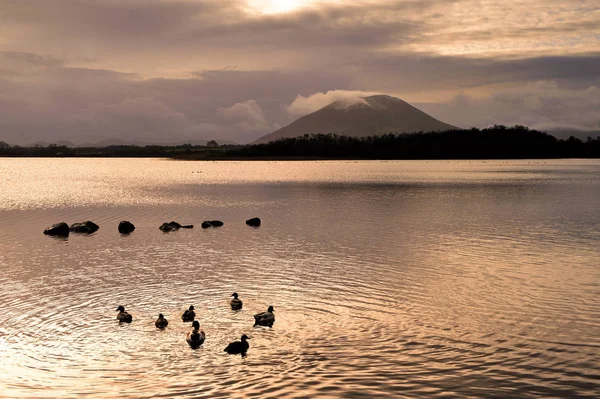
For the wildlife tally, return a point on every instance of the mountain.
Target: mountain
(119, 142)
(65, 143)
(46, 144)
(580, 134)
(367, 116)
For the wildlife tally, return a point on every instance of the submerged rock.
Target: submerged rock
(86, 227)
(254, 222)
(58, 229)
(126, 227)
(206, 224)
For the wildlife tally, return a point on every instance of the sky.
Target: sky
(233, 70)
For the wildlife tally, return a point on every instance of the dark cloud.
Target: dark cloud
(410, 73)
(88, 105)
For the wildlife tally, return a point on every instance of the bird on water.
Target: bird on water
(161, 322)
(265, 318)
(123, 316)
(195, 337)
(238, 347)
(189, 315)
(236, 304)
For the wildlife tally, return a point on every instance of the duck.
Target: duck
(195, 337)
(265, 318)
(189, 315)
(238, 347)
(123, 316)
(236, 304)
(161, 322)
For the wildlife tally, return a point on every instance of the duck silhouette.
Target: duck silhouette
(123, 316)
(265, 318)
(195, 337)
(238, 347)
(161, 322)
(236, 304)
(189, 315)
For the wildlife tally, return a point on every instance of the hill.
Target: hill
(115, 142)
(367, 116)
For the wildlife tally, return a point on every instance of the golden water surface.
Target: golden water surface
(427, 279)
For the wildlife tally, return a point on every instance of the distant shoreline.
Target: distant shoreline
(295, 159)
(498, 142)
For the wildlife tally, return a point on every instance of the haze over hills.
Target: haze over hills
(366, 116)
(119, 142)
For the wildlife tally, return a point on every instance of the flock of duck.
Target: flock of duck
(195, 337)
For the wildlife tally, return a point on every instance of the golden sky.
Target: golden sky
(168, 70)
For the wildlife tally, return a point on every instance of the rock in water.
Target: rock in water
(93, 226)
(58, 229)
(212, 223)
(86, 227)
(126, 227)
(254, 222)
(166, 227)
(206, 225)
(80, 228)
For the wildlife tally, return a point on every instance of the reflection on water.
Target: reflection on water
(389, 279)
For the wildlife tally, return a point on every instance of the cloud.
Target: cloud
(141, 118)
(43, 99)
(247, 115)
(418, 78)
(170, 38)
(305, 105)
(70, 67)
(542, 105)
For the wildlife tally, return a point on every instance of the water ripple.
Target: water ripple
(388, 280)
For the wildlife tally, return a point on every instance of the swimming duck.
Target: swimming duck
(123, 316)
(161, 322)
(265, 318)
(238, 347)
(195, 337)
(189, 315)
(236, 304)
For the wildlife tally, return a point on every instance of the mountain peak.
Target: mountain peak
(383, 97)
(360, 117)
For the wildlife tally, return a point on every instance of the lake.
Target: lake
(432, 279)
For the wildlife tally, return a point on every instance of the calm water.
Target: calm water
(389, 279)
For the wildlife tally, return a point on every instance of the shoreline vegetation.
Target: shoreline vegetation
(497, 142)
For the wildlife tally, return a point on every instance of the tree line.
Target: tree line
(497, 142)
(211, 150)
